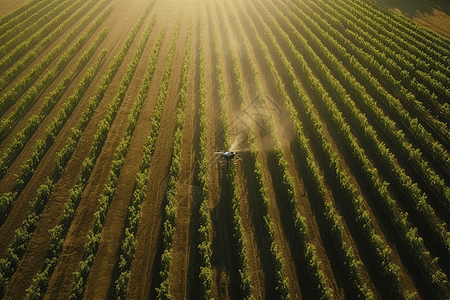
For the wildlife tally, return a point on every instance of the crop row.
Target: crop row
(22, 235)
(25, 19)
(380, 250)
(399, 221)
(63, 156)
(10, 96)
(428, 37)
(413, 48)
(238, 229)
(436, 183)
(434, 52)
(332, 219)
(378, 247)
(333, 161)
(72, 13)
(410, 189)
(308, 250)
(105, 199)
(43, 144)
(25, 81)
(402, 56)
(385, 47)
(432, 80)
(163, 291)
(276, 256)
(18, 11)
(423, 85)
(204, 230)
(399, 79)
(22, 137)
(423, 136)
(39, 24)
(128, 243)
(58, 233)
(15, 250)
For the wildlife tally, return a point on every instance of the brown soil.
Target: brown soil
(145, 268)
(184, 269)
(183, 249)
(433, 14)
(9, 6)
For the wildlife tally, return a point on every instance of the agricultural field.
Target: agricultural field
(115, 122)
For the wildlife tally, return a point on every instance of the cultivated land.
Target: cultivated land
(111, 112)
(434, 14)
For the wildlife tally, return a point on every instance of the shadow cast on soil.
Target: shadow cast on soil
(261, 238)
(224, 250)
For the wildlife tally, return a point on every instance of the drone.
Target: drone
(227, 157)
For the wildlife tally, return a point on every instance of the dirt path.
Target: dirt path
(9, 6)
(61, 281)
(184, 268)
(46, 49)
(28, 266)
(146, 264)
(265, 144)
(46, 167)
(183, 247)
(249, 206)
(99, 280)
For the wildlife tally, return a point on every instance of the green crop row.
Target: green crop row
(63, 156)
(72, 12)
(308, 250)
(21, 9)
(417, 31)
(39, 25)
(9, 97)
(429, 55)
(57, 234)
(277, 261)
(238, 228)
(43, 144)
(399, 78)
(397, 218)
(19, 66)
(402, 56)
(387, 78)
(440, 64)
(423, 85)
(438, 88)
(91, 246)
(404, 181)
(434, 51)
(16, 249)
(396, 62)
(163, 291)
(25, 19)
(128, 243)
(436, 183)
(378, 247)
(282, 286)
(333, 220)
(204, 230)
(9, 264)
(21, 138)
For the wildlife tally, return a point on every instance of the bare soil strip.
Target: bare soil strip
(184, 268)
